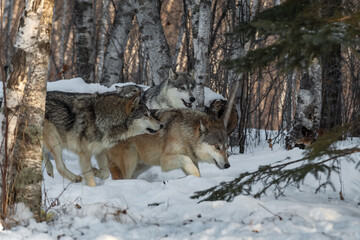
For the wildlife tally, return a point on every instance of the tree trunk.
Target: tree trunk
(8, 12)
(62, 46)
(114, 56)
(238, 49)
(153, 38)
(85, 60)
(26, 101)
(331, 113)
(104, 27)
(201, 22)
(307, 115)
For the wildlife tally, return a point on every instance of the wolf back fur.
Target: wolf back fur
(89, 124)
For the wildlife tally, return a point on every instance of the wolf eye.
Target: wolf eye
(217, 146)
(182, 88)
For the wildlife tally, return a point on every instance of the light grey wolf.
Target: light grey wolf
(174, 92)
(217, 107)
(188, 136)
(89, 124)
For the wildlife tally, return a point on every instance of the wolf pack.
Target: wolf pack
(131, 129)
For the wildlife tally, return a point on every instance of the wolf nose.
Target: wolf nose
(192, 99)
(227, 165)
(161, 126)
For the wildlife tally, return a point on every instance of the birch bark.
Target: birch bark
(201, 22)
(104, 27)
(85, 60)
(26, 91)
(114, 56)
(153, 38)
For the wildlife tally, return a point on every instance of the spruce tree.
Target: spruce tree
(295, 33)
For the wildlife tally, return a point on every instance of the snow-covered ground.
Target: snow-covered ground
(158, 206)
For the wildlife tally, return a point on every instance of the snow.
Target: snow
(157, 205)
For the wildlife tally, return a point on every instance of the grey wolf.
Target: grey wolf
(188, 137)
(89, 124)
(174, 92)
(217, 108)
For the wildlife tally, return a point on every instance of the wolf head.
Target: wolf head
(179, 89)
(212, 144)
(128, 91)
(140, 121)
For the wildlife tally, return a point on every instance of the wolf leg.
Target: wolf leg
(129, 160)
(62, 169)
(170, 162)
(115, 171)
(103, 171)
(123, 160)
(52, 142)
(85, 163)
(48, 165)
(56, 151)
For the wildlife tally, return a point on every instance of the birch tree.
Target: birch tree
(201, 26)
(85, 58)
(104, 27)
(153, 38)
(114, 55)
(26, 91)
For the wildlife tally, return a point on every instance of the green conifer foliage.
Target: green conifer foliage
(295, 33)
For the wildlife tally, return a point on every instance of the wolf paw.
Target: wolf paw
(49, 170)
(192, 171)
(102, 174)
(77, 179)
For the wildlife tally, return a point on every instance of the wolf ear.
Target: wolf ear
(192, 73)
(203, 127)
(132, 103)
(172, 74)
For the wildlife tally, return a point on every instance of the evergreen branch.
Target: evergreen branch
(276, 176)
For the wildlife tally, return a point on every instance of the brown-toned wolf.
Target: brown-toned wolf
(89, 124)
(188, 137)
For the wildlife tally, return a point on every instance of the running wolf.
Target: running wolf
(174, 92)
(89, 124)
(188, 136)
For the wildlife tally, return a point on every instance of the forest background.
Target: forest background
(291, 66)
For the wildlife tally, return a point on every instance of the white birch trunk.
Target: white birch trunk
(180, 40)
(26, 91)
(201, 20)
(85, 59)
(114, 56)
(104, 28)
(153, 38)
